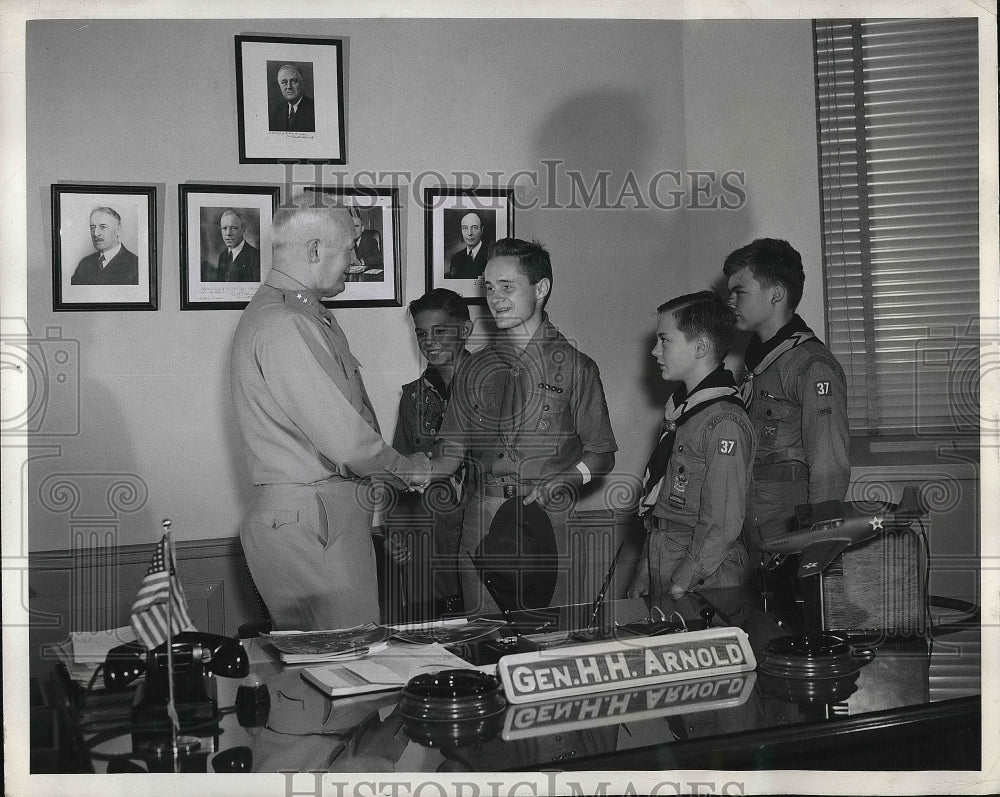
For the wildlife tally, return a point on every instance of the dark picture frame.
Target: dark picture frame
(210, 277)
(450, 228)
(375, 278)
(124, 220)
(268, 131)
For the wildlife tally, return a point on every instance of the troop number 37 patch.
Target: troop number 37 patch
(727, 447)
(823, 388)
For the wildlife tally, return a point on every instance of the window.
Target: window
(897, 105)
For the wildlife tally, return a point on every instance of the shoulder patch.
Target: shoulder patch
(823, 387)
(727, 446)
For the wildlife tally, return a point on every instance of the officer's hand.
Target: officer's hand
(639, 586)
(676, 592)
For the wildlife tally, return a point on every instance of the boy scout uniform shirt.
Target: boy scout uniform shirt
(421, 410)
(561, 412)
(300, 402)
(705, 487)
(798, 409)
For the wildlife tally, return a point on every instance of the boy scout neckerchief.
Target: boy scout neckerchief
(760, 355)
(720, 385)
(433, 377)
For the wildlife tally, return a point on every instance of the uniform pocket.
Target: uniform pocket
(779, 419)
(294, 521)
(276, 519)
(548, 410)
(683, 483)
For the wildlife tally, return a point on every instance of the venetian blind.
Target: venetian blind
(897, 105)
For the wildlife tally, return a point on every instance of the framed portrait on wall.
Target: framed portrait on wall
(460, 226)
(290, 99)
(225, 243)
(374, 278)
(103, 247)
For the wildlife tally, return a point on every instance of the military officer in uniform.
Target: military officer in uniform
(309, 433)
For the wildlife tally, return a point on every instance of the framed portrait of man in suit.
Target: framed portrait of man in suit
(374, 278)
(460, 226)
(103, 247)
(290, 99)
(225, 243)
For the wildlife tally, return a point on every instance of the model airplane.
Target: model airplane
(827, 528)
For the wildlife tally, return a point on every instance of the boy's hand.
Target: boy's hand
(554, 494)
(639, 586)
(397, 550)
(419, 475)
(676, 592)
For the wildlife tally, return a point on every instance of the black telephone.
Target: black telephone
(196, 656)
(195, 653)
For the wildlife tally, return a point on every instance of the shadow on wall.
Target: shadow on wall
(607, 248)
(94, 480)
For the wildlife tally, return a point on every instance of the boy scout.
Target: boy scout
(695, 486)
(529, 409)
(441, 325)
(794, 389)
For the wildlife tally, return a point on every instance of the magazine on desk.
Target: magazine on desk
(341, 644)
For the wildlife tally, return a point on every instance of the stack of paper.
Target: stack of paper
(93, 646)
(85, 650)
(389, 669)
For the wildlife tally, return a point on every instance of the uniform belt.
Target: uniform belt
(506, 490)
(781, 472)
(665, 524)
(505, 487)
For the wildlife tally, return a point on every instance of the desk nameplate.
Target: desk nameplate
(624, 663)
(632, 705)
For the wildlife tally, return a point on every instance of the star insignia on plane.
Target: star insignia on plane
(875, 523)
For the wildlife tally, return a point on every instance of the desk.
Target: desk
(914, 706)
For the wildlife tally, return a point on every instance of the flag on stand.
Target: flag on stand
(150, 611)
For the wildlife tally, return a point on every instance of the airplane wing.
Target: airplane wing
(817, 556)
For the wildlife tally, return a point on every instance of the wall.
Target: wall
(112, 101)
(749, 106)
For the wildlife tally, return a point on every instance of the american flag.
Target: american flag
(149, 612)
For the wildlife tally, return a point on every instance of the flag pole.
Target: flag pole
(171, 706)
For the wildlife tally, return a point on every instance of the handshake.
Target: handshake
(419, 473)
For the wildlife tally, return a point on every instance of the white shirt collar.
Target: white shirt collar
(110, 254)
(238, 249)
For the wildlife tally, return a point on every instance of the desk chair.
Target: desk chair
(264, 625)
